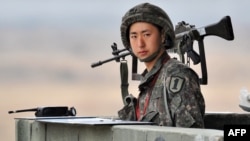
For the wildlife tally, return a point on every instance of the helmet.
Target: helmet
(147, 12)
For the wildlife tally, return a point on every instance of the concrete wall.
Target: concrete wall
(32, 130)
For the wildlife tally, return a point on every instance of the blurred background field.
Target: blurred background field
(47, 47)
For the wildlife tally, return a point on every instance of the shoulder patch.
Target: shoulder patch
(176, 84)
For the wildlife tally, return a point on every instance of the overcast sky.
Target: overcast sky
(58, 40)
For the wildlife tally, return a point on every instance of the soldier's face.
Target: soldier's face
(145, 39)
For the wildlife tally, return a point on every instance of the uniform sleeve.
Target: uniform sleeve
(186, 101)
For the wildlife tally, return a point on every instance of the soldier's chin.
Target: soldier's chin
(148, 59)
(141, 60)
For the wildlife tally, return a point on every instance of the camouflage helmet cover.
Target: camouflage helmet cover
(147, 12)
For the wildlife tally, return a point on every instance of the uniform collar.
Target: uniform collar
(148, 76)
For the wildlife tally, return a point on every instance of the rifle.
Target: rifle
(123, 68)
(185, 36)
(116, 57)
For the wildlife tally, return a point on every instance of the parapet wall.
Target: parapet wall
(32, 130)
(110, 130)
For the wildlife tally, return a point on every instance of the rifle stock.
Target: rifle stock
(222, 29)
(186, 34)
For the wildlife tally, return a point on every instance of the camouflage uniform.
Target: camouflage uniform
(171, 87)
(175, 100)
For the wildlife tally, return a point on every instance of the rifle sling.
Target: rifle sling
(124, 80)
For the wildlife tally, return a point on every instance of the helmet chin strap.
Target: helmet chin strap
(152, 57)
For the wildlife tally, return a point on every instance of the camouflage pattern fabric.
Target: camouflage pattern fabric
(147, 12)
(184, 105)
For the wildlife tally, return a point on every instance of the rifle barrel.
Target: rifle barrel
(111, 59)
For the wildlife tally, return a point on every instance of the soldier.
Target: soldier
(170, 93)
